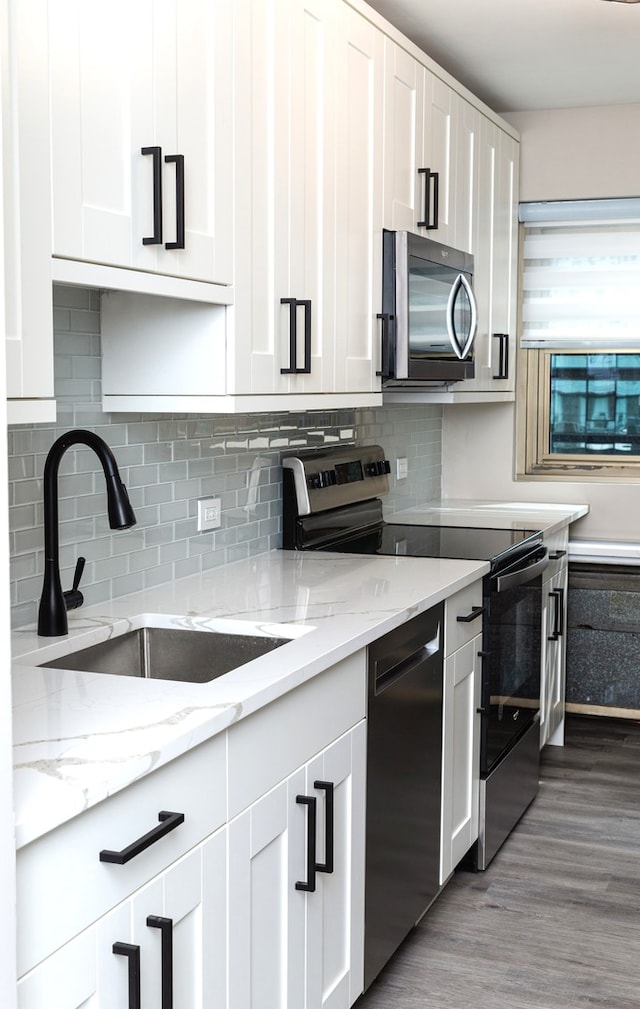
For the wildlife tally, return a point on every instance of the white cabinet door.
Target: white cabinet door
(460, 754)
(285, 167)
(404, 88)
(296, 894)
(151, 78)
(357, 262)
(505, 265)
(553, 673)
(420, 139)
(495, 265)
(335, 912)
(439, 157)
(27, 214)
(171, 932)
(67, 980)
(266, 911)
(464, 186)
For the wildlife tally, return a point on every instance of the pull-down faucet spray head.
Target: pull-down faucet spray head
(52, 613)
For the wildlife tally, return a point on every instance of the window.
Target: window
(579, 409)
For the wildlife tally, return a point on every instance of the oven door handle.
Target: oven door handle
(524, 575)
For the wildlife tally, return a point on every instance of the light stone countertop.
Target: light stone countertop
(483, 514)
(80, 737)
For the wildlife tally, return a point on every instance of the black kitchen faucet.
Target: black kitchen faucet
(54, 603)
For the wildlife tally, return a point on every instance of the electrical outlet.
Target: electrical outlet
(402, 469)
(209, 513)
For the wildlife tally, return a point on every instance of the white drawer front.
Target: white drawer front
(62, 884)
(268, 746)
(458, 632)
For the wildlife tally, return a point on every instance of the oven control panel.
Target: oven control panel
(332, 478)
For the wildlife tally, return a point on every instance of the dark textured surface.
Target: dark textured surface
(554, 923)
(603, 636)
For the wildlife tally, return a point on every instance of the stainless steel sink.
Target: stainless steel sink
(163, 653)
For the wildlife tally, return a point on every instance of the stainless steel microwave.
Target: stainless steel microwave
(429, 312)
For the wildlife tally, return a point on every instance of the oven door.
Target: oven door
(512, 653)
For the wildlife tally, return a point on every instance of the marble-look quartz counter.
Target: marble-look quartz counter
(80, 737)
(483, 514)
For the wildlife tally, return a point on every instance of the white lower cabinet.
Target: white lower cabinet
(170, 936)
(461, 755)
(461, 727)
(296, 885)
(554, 648)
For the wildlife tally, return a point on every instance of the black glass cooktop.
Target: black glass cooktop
(458, 542)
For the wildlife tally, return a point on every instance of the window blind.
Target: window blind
(581, 275)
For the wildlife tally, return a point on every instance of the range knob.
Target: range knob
(328, 478)
(325, 478)
(377, 468)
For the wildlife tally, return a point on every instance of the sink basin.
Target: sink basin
(169, 653)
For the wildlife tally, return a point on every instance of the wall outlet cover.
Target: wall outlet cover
(209, 513)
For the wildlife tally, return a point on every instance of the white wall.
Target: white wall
(579, 153)
(565, 154)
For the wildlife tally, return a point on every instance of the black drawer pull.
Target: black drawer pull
(385, 362)
(558, 620)
(178, 160)
(294, 305)
(166, 940)
(503, 360)
(557, 555)
(310, 883)
(476, 611)
(156, 153)
(327, 788)
(168, 822)
(133, 955)
(430, 222)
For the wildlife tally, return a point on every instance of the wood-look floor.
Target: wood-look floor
(554, 922)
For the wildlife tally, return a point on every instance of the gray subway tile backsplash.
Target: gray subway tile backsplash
(168, 462)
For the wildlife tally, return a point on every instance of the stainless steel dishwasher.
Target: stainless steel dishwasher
(404, 755)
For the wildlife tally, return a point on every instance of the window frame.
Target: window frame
(533, 422)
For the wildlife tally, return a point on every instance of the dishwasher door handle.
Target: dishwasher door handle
(388, 676)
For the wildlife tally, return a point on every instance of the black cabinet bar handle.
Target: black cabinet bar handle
(429, 177)
(178, 160)
(476, 611)
(156, 154)
(294, 305)
(558, 616)
(133, 955)
(168, 822)
(327, 788)
(166, 939)
(557, 555)
(310, 883)
(387, 321)
(560, 598)
(503, 359)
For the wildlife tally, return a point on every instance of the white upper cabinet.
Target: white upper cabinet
(495, 252)
(302, 332)
(285, 227)
(27, 214)
(451, 175)
(141, 130)
(309, 245)
(421, 135)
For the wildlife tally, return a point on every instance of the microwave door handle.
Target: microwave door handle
(458, 285)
